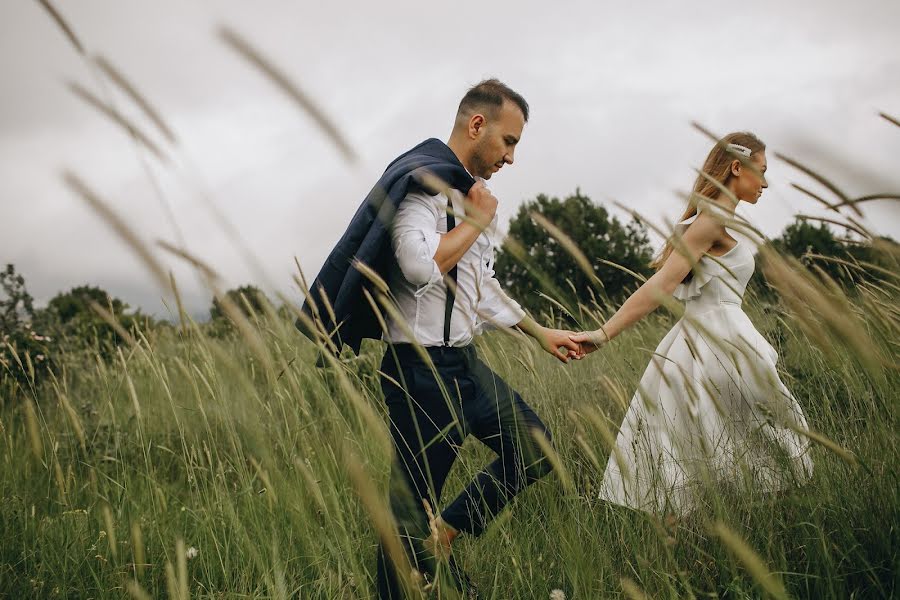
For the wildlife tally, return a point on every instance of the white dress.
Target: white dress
(710, 408)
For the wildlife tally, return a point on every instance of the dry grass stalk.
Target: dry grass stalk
(135, 590)
(110, 531)
(372, 276)
(60, 481)
(206, 271)
(767, 580)
(118, 225)
(112, 321)
(889, 119)
(815, 197)
(863, 232)
(381, 516)
(569, 246)
(518, 252)
(834, 189)
(814, 305)
(172, 583)
(182, 315)
(632, 590)
(137, 547)
(74, 420)
(181, 558)
(263, 475)
(119, 119)
(281, 80)
(132, 393)
(550, 454)
(140, 100)
(34, 433)
(63, 25)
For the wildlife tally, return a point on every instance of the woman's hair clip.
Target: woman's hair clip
(737, 148)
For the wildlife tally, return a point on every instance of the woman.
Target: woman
(710, 408)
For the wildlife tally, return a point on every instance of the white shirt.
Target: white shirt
(418, 286)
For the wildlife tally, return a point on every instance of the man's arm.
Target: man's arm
(551, 340)
(425, 255)
(498, 309)
(481, 206)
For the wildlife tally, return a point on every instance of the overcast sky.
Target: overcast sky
(613, 88)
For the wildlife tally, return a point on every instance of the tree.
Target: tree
(802, 239)
(16, 304)
(248, 298)
(24, 353)
(72, 318)
(815, 245)
(532, 260)
(76, 304)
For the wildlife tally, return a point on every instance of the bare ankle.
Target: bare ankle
(446, 530)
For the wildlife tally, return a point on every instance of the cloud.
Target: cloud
(613, 90)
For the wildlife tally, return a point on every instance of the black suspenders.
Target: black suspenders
(451, 275)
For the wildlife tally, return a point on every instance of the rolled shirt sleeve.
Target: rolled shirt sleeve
(415, 240)
(495, 308)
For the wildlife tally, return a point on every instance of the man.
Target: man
(445, 292)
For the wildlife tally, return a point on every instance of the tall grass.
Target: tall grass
(114, 470)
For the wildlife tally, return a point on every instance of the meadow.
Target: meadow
(209, 467)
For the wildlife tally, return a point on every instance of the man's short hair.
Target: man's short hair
(490, 94)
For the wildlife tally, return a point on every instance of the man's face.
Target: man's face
(497, 139)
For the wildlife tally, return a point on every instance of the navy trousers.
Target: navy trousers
(429, 419)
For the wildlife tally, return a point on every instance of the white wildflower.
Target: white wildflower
(192, 553)
(557, 595)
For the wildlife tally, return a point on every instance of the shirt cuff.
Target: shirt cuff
(507, 314)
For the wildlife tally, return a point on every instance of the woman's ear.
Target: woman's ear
(735, 167)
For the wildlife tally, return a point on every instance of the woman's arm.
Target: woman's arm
(700, 236)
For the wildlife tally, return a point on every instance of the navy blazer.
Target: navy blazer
(367, 239)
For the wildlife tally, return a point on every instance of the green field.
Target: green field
(271, 469)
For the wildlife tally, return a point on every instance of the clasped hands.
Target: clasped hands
(567, 345)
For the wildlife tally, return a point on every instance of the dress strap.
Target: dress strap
(690, 220)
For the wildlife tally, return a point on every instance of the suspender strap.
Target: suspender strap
(451, 275)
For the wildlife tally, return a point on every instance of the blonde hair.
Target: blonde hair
(716, 170)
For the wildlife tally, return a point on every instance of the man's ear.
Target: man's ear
(476, 125)
(735, 167)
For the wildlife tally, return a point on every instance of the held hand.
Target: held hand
(481, 205)
(589, 341)
(560, 343)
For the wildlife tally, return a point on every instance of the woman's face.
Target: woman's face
(750, 180)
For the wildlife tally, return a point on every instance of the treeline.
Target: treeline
(559, 254)
(85, 324)
(564, 252)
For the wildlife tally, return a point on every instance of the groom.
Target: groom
(437, 257)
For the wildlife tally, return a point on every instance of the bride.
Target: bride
(710, 408)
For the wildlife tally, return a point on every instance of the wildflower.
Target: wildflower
(192, 553)
(557, 595)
